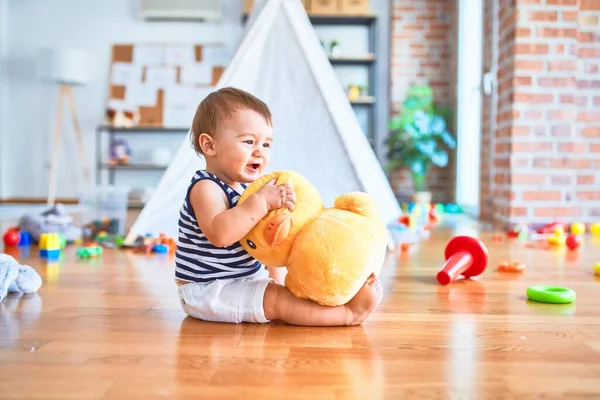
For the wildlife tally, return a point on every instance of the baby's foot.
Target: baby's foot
(365, 301)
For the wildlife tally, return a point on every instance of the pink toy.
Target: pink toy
(466, 256)
(573, 241)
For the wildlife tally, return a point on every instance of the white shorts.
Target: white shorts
(227, 300)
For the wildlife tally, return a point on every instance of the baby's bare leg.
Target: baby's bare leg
(280, 304)
(277, 273)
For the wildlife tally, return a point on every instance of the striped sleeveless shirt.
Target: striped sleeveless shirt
(197, 259)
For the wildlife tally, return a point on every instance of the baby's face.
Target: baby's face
(243, 144)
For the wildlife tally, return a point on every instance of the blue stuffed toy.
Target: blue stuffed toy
(15, 277)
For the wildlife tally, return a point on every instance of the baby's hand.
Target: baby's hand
(277, 196)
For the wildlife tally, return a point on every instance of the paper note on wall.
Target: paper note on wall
(177, 95)
(160, 77)
(180, 54)
(125, 74)
(149, 55)
(141, 95)
(199, 73)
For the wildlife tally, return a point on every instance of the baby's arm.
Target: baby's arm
(224, 226)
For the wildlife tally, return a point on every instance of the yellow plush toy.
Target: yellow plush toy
(329, 252)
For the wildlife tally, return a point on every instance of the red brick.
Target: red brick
(591, 131)
(557, 32)
(560, 180)
(571, 147)
(522, 32)
(530, 48)
(538, 98)
(562, 66)
(522, 81)
(502, 147)
(541, 162)
(588, 84)
(586, 179)
(589, 52)
(595, 147)
(543, 16)
(533, 115)
(556, 82)
(528, 179)
(541, 195)
(589, 5)
(592, 68)
(529, 65)
(597, 101)
(561, 130)
(519, 130)
(521, 147)
(569, 16)
(588, 195)
(557, 212)
(588, 116)
(561, 2)
(518, 211)
(501, 178)
(587, 37)
(561, 115)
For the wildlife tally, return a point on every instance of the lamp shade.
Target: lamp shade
(65, 66)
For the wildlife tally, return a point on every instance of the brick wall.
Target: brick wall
(541, 154)
(423, 43)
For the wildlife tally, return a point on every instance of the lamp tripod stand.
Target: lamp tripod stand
(64, 91)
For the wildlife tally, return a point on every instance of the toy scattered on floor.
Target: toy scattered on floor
(101, 226)
(573, 241)
(466, 256)
(89, 251)
(513, 266)
(578, 228)
(50, 245)
(12, 237)
(328, 252)
(150, 244)
(551, 294)
(53, 220)
(597, 268)
(595, 229)
(558, 238)
(15, 277)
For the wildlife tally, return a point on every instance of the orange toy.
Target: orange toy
(514, 266)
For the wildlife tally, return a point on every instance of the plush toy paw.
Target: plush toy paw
(15, 277)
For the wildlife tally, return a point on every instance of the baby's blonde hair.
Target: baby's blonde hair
(220, 105)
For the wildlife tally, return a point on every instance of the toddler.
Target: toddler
(217, 279)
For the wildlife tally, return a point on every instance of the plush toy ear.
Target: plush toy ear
(277, 229)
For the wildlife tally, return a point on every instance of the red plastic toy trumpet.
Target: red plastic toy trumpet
(466, 256)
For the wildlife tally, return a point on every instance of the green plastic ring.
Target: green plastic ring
(551, 294)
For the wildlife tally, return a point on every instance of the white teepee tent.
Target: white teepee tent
(316, 132)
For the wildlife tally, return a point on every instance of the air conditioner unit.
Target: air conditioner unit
(180, 10)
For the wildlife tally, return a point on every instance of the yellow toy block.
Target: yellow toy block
(49, 241)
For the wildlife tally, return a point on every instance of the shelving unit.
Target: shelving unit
(112, 132)
(368, 60)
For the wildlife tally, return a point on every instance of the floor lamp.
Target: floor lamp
(66, 68)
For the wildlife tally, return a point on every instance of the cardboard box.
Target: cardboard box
(249, 3)
(355, 7)
(324, 6)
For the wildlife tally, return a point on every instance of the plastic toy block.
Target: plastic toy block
(49, 241)
(24, 239)
(50, 253)
(89, 251)
(160, 248)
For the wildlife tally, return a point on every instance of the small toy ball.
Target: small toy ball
(595, 229)
(597, 268)
(573, 241)
(551, 294)
(11, 237)
(514, 266)
(24, 239)
(578, 228)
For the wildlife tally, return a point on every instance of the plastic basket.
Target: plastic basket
(105, 202)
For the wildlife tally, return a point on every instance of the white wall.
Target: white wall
(94, 26)
(3, 96)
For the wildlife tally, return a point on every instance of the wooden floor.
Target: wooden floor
(113, 329)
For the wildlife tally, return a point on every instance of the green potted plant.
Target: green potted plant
(419, 138)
